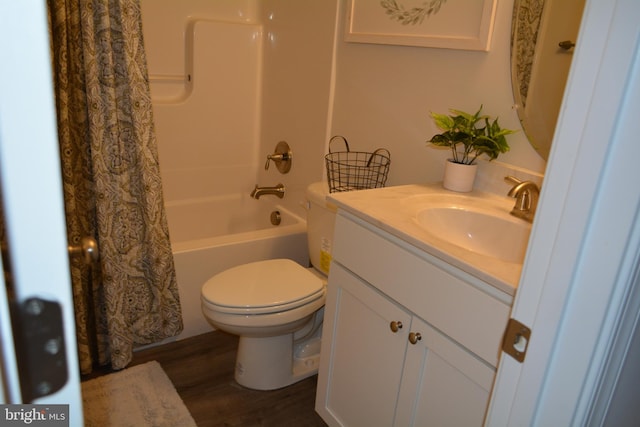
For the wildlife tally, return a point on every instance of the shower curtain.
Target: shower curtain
(111, 180)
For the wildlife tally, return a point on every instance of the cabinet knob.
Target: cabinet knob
(395, 326)
(414, 337)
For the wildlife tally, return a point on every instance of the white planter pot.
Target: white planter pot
(459, 177)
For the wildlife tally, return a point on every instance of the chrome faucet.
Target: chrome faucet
(526, 194)
(278, 190)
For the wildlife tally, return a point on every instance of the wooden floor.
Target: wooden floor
(201, 369)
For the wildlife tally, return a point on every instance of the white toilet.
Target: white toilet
(276, 306)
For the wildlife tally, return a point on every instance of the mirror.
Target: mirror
(542, 38)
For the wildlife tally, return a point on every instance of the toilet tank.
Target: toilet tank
(321, 217)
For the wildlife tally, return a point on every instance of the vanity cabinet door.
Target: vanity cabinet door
(443, 384)
(362, 357)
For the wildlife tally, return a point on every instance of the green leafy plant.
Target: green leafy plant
(467, 138)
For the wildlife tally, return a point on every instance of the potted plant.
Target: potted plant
(468, 136)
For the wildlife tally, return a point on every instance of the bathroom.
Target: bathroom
(375, 95)
(381, 96)
(373, 90)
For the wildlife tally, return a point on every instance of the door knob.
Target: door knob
(87, 249)
(414, 337)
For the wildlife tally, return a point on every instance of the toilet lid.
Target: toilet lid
(262, 287)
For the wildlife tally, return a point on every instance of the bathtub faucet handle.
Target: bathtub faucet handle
(281, 157)
(276, 158)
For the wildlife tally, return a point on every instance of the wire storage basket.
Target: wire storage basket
(356, 170)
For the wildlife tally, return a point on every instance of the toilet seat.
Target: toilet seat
(262, 287)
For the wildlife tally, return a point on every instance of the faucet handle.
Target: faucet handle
(281, 157)
(512, 179)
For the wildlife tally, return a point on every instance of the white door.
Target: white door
(585, 241)
(361, 353)
(33, 207)
(443, 384)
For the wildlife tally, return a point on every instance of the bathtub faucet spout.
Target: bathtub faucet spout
(278, 190)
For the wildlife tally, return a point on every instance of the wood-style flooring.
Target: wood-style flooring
(201, 369)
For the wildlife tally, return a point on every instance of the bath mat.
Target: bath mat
(139, 396)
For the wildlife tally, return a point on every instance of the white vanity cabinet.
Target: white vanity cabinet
(405, 343)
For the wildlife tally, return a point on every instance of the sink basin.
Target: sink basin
(484, 231)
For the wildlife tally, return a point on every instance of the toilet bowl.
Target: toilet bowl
(276, 306)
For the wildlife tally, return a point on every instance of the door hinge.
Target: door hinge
(516, 340)
(40, 348)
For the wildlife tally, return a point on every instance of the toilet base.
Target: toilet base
(268, 363)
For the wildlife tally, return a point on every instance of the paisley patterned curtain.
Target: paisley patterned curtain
(527, 16)
(111, 180)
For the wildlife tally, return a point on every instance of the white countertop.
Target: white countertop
(393, 209)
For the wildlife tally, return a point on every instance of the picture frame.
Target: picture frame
(448, 24)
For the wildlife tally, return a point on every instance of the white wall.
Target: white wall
(164, 25)
(384, 95)
(200, 157)
(297, 89)
(205, 74)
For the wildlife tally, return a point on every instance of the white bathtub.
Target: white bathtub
(212, 235)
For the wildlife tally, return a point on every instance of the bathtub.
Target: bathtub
(212, 235)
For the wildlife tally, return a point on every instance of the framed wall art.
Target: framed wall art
(450, 24)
